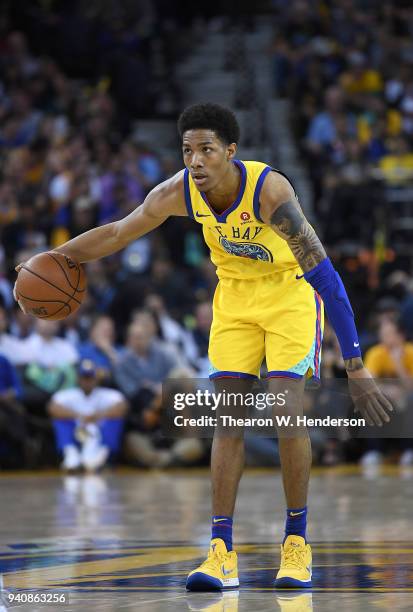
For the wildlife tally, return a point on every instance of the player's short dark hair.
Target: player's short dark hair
(213, 117)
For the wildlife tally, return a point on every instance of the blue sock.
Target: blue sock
(222, 528)
(296, 522)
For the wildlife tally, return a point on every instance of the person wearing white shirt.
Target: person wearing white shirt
(88, 421)
(10, 346)
(46, 349)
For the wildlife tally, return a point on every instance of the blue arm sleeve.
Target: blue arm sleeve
(327, 282)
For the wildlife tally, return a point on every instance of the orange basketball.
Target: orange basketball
(51, 286)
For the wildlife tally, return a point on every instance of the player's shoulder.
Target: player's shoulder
(275, 188)
(254, 164)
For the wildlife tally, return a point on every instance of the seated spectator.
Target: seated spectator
(392, 358)
(50, 365)
(139, 374)
(143, 367)
(152, 323)
(322, 131)
(100, 347)
(200, 339)
(169, 329)
(21, 325)
(13, 426)
(397, 165)
(119, 178)
(46, 349)
(10, 346)
(6, 289)
(88, 421)
(360, 79)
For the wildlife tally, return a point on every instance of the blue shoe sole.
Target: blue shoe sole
(203, 582)
(291, 583)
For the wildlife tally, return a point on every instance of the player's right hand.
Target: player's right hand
(369, 400)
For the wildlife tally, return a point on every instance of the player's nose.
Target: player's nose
(196, 161)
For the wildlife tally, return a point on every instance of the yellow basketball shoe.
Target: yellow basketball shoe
(295, 567)
(219, 570)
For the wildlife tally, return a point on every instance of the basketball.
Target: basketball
(51, 286)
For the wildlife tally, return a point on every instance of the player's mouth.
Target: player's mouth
(199, 179)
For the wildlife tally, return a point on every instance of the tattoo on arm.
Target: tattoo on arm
(289, 221)
(353, 364)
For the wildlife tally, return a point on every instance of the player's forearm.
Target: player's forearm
(289, 221)
(94, 244)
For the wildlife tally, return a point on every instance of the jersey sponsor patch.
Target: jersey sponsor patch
(250, 250)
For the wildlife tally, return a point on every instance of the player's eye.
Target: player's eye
(207, 149)
(186, 151)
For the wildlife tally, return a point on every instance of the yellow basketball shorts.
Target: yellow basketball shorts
(278, 317)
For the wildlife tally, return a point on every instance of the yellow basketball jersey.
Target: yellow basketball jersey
(241, 245)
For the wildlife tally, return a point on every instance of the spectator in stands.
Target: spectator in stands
(169, 329)
(393, 356)
(100, 347)
(50, 365)
(101, 287)
(397, 165)
(21, 325)
(200, 339)
(6, 289)
(392, 359)
(120, 182)
(139, 374)
(88, 421)
(149, 165)
(360, 79)
(46, 349)
(142, 368)
(25, 233)
(10, 346)
(152, 324)
(168, 283)
(322, 132)
(13, 425)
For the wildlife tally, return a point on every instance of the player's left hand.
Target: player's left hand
(368, 399)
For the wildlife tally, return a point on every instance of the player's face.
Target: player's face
(206, 157)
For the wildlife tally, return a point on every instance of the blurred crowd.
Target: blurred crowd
(90, 386)
(70, 161)
(346, 66)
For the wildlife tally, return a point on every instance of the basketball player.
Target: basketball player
(274, 277)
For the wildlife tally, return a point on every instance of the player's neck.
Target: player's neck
(227, 191)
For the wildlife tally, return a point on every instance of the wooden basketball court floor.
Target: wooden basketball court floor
(126, 541)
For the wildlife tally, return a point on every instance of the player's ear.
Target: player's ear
(231, 150)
